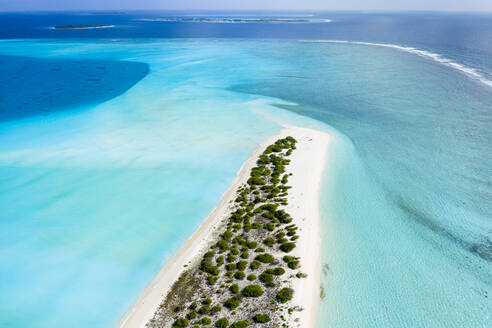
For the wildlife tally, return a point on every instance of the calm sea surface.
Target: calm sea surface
(116, 143)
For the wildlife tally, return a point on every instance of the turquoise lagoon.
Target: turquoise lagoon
(96, 197)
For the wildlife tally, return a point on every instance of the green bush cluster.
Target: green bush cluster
(241, 265)
(232, 303)
(240, 324)
(215, 309)
(181, 322)
(234, 288)
(205, 321)
(292, 262)
(285, 295)
(239, 275)
(222, 323)
(191, 315)
(204, 310)
(278, 271)
(265, 258)
(258, 208)
(255, 264)
(251, 277)
(252, 291)
(261, 318)
(287, 247)
(269, 241)
(266, 278)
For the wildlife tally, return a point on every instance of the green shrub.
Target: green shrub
(251, 244)
(287, 247)
(265, 258)
(227, 235)
(240, 324)
(282, 240)
(177, 309)
(285, 295)
(207, 301)
(232, 303)
(251, 277)
(269, 241)
(259, 250)
(219, 260)
(261, 318)
(244, 255)
(239, 275)
(269, 226)
(204, 309)
(211, 280)
(230, 257)
(293, 265)
(278, 271)
(301, 275)
(192, 306)
(213, 270)
(280, 234)
(222, 323)
(222, 245)
(181, 322)
(254, 265)
(234, 288)
(283, 216)
(241, 265)
(191, 315)
(235, 251)
(292, 262)
(231, 266)
(215, 309)
(205, 321)
(266, 278)
(252, 291)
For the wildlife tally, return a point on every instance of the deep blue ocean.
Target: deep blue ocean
(115, 144)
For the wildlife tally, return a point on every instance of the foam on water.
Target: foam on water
(95, 199)
(471, 72)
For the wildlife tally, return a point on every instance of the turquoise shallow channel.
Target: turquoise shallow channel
(96, 196)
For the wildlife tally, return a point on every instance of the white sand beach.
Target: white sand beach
(307, 164)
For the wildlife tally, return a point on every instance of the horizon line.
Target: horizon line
(123, 11)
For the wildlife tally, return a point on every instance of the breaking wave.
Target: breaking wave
(470, 72)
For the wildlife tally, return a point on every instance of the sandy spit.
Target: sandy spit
(307, 165)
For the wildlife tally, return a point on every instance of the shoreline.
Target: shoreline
(303, 204)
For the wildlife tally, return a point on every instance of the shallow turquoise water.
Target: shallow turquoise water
(407, 197)
(96, 198)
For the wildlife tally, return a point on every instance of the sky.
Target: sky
(390, 5)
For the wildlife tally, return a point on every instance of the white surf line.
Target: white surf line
(470, 72)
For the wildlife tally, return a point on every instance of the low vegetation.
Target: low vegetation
(241, 280)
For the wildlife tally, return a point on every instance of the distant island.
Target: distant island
(80, 27)
(235, 20)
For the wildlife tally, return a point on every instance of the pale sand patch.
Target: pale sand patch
(307, 164)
